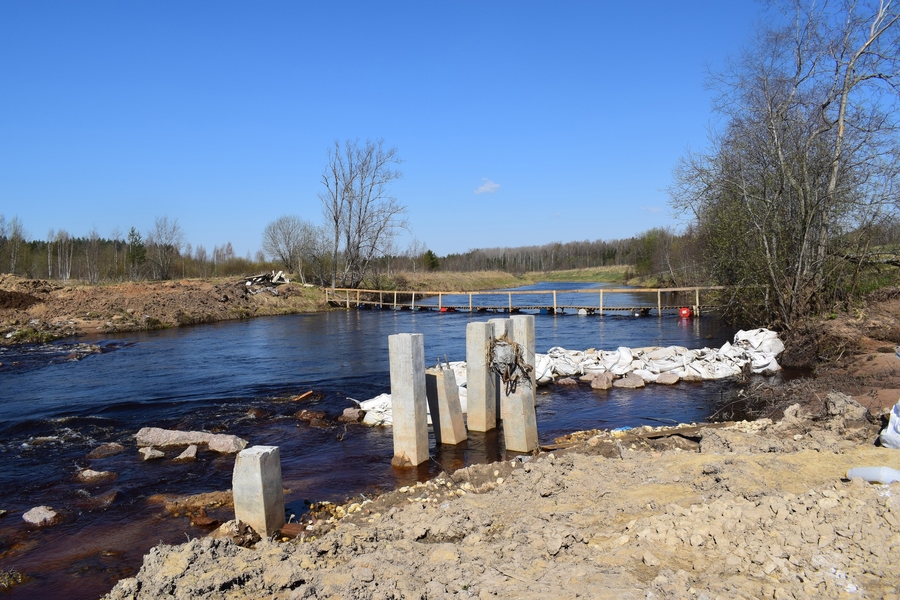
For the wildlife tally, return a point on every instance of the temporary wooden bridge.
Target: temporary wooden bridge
(481, 301)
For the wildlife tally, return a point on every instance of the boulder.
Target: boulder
(566, 381)
(602, 381)
(352, 415)
(41, 516)
(92, 476)
(842, 405)
(150, 453)
(190, 453)
(105, 450)
(238, 532)
(667, 379)
(163, 438)
(629, 381)
(309, 415)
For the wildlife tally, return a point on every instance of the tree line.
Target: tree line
(160, 253)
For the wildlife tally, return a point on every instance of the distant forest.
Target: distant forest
(163, 253)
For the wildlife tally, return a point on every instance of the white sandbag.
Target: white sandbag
(890, 435)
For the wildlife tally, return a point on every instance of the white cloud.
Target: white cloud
(488, 187)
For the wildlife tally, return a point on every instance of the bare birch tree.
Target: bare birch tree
(164, 242)
(361, 215)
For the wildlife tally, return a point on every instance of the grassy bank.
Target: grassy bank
(615, 274)
(451, 281)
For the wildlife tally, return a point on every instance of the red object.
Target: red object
(686, 313)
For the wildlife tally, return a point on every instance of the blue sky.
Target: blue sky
(518, 122)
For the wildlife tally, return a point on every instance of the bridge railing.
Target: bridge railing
(515, 299)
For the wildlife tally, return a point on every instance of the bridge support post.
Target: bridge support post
(523, 334)
(520, 420)
(443, 400)
(408, 399)
(500, 327)
(481, 394)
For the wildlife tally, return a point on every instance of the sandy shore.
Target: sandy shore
(753, 510)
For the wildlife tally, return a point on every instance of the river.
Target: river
(239, 377)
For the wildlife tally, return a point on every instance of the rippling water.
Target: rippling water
(58, 403)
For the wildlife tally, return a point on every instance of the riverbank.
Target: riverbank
(747, 509)
(33, 310)
(757, 509)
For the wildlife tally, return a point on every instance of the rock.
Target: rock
(842, 405)
(320, 423)
(92, 476)
(667, 378)
(258, 413)
(42, 516)
(150, 453)
(650, 560)
(190, 453)
(163, 438)
(629, 381)
(352, 415)
(603, 381)
(238, 532)
(309, 415)
(105, 450)
(566, 381)
(97, 502)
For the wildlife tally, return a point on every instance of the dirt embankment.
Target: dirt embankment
(36, 310)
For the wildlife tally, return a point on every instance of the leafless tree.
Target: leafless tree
(15, 238)
(808, 157)
(358, 209)
(164, 242)
(64, 251)
(288, 240)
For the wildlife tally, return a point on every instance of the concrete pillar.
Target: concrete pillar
(480, 389)
(443, 400)
(523, 334)
(520, 420)
(408, 399)
(257, 488)
(501, 327)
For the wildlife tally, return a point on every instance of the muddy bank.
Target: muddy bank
(38, 311)
(755, 509)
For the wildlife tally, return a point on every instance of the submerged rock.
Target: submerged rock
(42, 516)
(105, 450)
(92, 476)
(163, 438)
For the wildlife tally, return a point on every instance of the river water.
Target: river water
(240, 377)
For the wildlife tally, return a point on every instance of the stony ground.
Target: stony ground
(35, 310)
(752, 510)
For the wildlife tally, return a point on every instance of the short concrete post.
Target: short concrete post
(481, 393)
(257, 488)
(443, 401)
(501, 327)
(408, 399)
